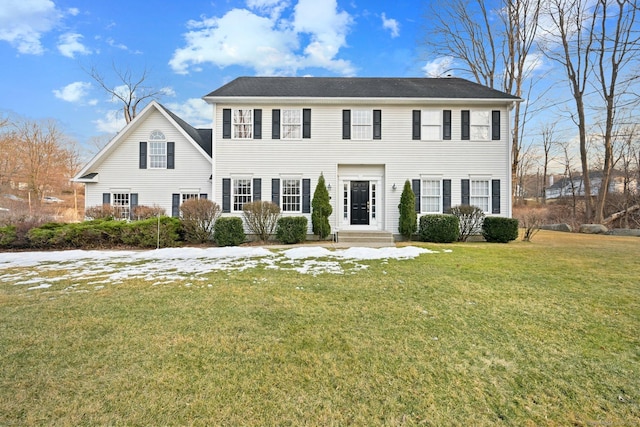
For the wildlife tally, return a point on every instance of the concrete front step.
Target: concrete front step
(366, 238)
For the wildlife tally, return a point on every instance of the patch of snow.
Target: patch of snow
(42, 286)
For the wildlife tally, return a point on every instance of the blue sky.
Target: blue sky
(189, 48)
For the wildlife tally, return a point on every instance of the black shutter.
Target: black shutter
(275, 124)
(495, 125)
(257, 123)
(377, 124)
(175, 205)
(465, 124)
(415, 186)
(495, 196)
(465, 192)
(143, 155)
(416, 124)
(346, 124)
(226, 195)
(306, 196)
(106, 198)
(446, 124)
(257, 189)
(275, 191)
(306, 123)
(171, 155)
(133, 203)
(446, 195)
(226, 123)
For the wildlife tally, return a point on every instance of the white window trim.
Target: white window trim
(368, 125)
(424, 178)
(233, 195)
(282, 195)
(157, 137)
(234, 124)
(473, 125)
(126, 209)
(484, 178)
(438, 123)
(283, 134)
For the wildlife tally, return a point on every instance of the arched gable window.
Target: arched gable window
(157, 150)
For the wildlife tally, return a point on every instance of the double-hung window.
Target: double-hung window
(189, 196)
(122, 204)
(242, 124)
(241, 193)
(361, 124)
(431, 195)
(479, 193)
(431, 126)
(291, 194)
(291, 124)
(157, 150)
(480, 125)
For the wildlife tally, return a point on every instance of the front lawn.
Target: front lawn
(540, 333)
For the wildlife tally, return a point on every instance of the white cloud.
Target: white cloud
(261, 39)
(73, 92)
(73, 11)
(69, 44)
(194, 111)
(23, 22)
(439, 67)
(391, 25)
(168, 91)
(112, 122)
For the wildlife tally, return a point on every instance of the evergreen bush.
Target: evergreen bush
(321, 210)
(439, 228)
(8, 236)
(469, 220)
(228, 231)
(408, 218)
(149, 234)
(500, 230)
(292, 229)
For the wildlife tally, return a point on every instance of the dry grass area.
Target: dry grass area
(543, 333)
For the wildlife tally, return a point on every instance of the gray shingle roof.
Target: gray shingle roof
(358, 87)
(201, 136)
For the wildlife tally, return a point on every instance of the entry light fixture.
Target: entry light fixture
(329, 187)
(394, 187)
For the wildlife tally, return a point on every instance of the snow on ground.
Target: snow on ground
(171, 264)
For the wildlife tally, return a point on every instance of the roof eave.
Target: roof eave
(353, 100)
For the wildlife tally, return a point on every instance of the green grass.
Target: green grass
(540, 333)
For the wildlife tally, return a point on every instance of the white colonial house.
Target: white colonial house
(273, 137)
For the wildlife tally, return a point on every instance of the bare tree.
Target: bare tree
(548, 142)
(615, 49)
(497, 56)
(131, 90)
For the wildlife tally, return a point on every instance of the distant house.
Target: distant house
(565, 187)
(273, 137)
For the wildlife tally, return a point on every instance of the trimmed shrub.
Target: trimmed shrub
(8, 236)
(321, 210)
(408, 218)
(198, 217)
(439, 228)
(105, 211)
(149, 234)
(500, 230)
(45, 236)
(146, 212)
(291, 229)
(469, 220)
(261, 218)
(228, 231)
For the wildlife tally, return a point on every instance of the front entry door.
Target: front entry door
(359, 202)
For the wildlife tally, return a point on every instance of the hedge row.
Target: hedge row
(447, 228)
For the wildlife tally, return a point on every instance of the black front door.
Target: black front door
(359, 202)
